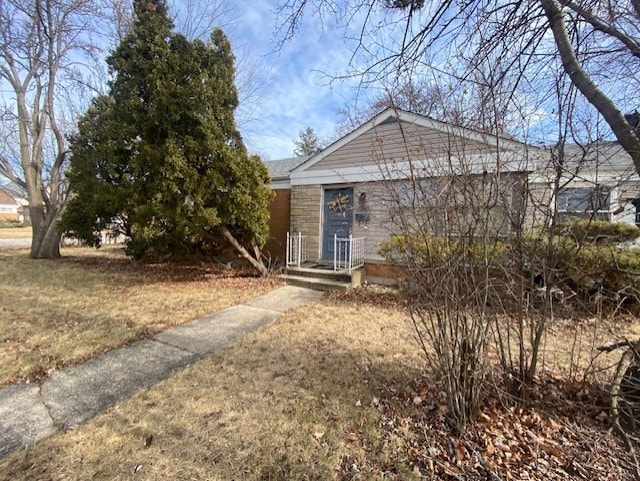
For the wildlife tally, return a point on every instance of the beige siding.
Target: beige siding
(400, 142)
(539, 205)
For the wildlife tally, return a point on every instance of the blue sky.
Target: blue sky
(297, 95)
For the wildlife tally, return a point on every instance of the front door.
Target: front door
(338, 218)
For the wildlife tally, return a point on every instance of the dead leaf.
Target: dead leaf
(318, 435)
(490, 451)
(461, 452)
(351, 437)
(552, 450)
(603, 416)
(553, 425)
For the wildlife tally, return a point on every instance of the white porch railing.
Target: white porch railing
(296, 249)
(348, 253)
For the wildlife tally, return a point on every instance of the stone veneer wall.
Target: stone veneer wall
(378, 228)
(305, 216)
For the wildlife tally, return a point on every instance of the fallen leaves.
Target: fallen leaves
(554, 441)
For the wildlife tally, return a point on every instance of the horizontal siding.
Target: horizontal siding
(395, 142)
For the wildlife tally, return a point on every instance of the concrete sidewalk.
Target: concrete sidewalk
(73, 395)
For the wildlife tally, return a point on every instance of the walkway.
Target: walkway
(73, 395)
(17, 242)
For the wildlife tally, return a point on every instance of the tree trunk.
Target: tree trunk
(256, 263)
(45, 241)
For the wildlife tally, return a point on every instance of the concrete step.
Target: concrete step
(319, 284)
(320, 273)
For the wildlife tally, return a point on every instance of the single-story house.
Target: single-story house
(9, 206)
(353, 186)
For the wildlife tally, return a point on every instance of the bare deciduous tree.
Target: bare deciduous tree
(597, 44)
(42, 44)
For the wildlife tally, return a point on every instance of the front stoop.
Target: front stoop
(322, 278)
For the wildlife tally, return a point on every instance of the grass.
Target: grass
(15, 232)
(60, 312)
(295, 400)
(334, 390)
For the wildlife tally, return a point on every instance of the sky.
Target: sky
(297, 94)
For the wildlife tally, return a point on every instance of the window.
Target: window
(456, 205)
(636, 204)
(585, 201)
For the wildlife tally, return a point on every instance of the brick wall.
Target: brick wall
(279, 218)
(8, 216)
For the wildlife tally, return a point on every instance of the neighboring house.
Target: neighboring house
(349, 187)
(598, 181)
(9, 206)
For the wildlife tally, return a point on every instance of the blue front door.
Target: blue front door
(338, 218)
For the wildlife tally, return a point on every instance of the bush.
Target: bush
(597, 232)
(8, 223)
(588, 258)
(418, 250)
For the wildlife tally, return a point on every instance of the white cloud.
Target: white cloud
(300, 94)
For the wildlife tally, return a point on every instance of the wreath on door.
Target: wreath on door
(339, 204)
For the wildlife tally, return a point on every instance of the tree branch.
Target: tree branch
(256, 263)
(580, 78)
(630, 43)
(7, 171)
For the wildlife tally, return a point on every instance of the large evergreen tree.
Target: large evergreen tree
(160, 158)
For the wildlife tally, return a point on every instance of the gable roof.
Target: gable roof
(399, 138)
(7, 199)
(279, 169)
(395, 115)
(597, 162)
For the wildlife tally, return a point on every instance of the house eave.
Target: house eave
(479, 164)
(279, 184)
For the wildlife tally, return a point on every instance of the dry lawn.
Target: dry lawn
(15, 232)
(57, 313)
(292, 401)
(335, 390)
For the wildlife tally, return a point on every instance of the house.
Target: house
(350, 189)
(345, 199)
(9, 206)
(598, 180)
